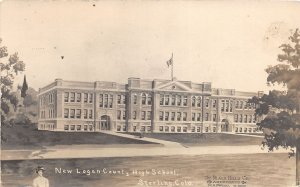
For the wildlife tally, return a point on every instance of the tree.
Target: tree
(280, 110)
(24, 88)
(8, 71)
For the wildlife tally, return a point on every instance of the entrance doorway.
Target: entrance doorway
(225, 125)
(105, 122)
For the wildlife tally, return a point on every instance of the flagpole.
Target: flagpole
(172, 67)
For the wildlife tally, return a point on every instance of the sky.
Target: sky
(228, 43)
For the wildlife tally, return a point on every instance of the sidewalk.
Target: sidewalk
(78, 152)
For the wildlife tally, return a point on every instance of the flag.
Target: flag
(170, 62)
(24, 88)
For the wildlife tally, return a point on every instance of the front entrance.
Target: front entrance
(105, 122)
(225, 125)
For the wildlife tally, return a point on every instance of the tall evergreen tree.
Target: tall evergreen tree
(24, 88)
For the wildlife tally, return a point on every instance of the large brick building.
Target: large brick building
(144, 105)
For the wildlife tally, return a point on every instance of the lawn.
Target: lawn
(206, 139)
(257, 170)
(27, 137)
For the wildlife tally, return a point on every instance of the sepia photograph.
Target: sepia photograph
(150, 93)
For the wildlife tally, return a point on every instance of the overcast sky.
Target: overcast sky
(226, 43)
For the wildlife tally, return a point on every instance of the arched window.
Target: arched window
(193, 101)
(199, 102)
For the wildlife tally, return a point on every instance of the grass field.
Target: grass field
(27, 137)
(258, 170)
(207, 139)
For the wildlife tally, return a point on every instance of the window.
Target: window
(124, 115)
(85, 97)
(143, 99)
(91, 114)
(78, 97)
(124, 127)
(72, 127)
(72, 113)
(161, 116)
(149, 100)
(110, 101)
(193, 116)
(193, 101)
(119, 114)
(119, 99)
(66, 127)
(78, 113)
(206, 116)
(241, 104)
(178, 129)
(250, 118)
(166, 116)
(161, 128)
(66, 96)
(227, 105)
(236, 116)
(241, 118)
(237, 104)
(123, 99)
(91, 98)
(230, 106)
(85, 113)
(222, 105)
(85, 127)
(214, 104)
(206, 103)
(206, 129)
(143, 128)
(148, 128)
(199, 117)
(236, 129)
(149, 115)
(184, 116)
(172, 129)
(199, 102)
(214, 117)
(161, 100)
(118, 128)
(166, 129)
(250, 130)
(101, 100)
(193, 129)
(245, 130)
(134, 128)
(184, 129)
(198, 129)
(90, 127)
(184, 100)
(178, 116)
(72, 97)
(167, 99)
(178, 100)
(241, 129)
(173, 116)
(78, 127)
(173, 102)
(134, 115)
(135, 99)
(105, 101)
(245, 119)
(143, 115)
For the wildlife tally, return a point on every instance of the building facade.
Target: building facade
(145, 106)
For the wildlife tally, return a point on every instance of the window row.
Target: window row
(78, 127)
(244, 118)
(76, 113)
(46, 127)
(245, 130)
(51, 114)
(106, 101)
(121, 114)
(226, 105)
(171, 116)
(77, 97)
(244, 105)
(173, 100)
(49, 97)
